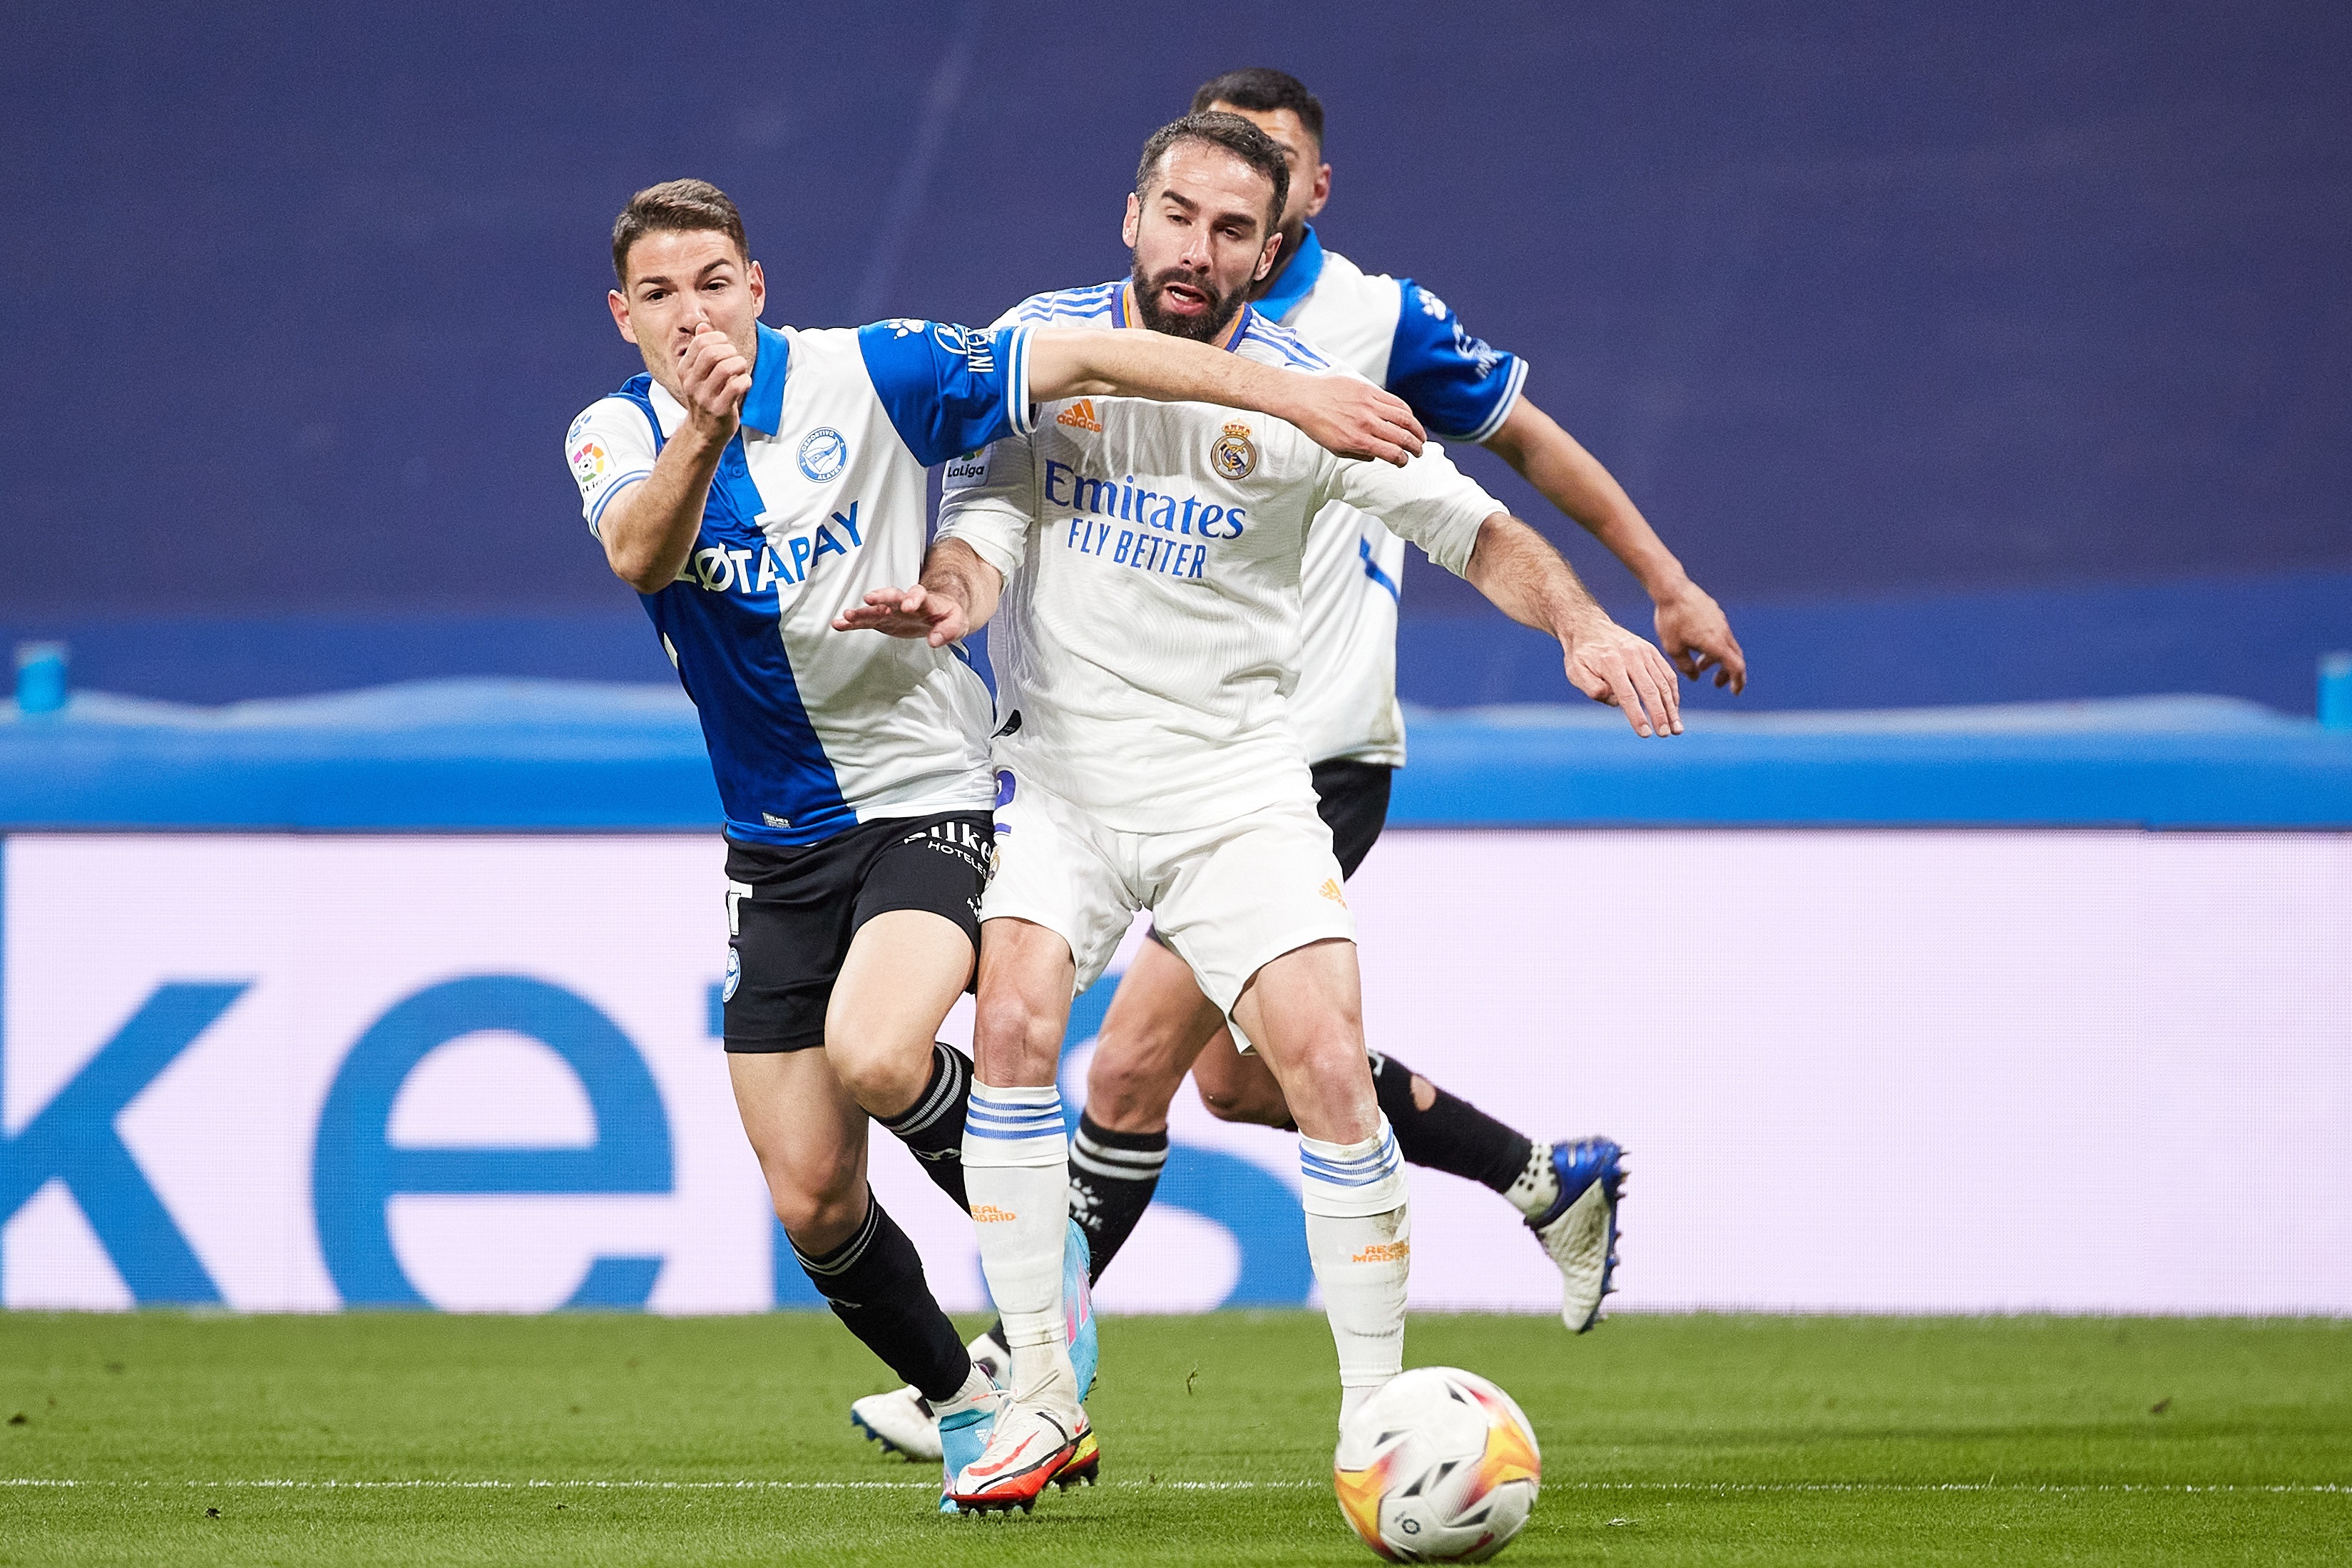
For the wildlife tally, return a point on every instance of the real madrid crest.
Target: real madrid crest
(1234, 455)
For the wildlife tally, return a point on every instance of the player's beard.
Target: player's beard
(1201, 329)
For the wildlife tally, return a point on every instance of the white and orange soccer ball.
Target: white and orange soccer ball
(1439, 1466)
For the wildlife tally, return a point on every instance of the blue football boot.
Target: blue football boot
(963, 1438)
(1579, 1231)
(1078, 1308)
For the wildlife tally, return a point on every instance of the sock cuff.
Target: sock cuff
(850, 1253)
(951, 1073)
(1117, 1157)
(1346, 1180)
(1016, 1126)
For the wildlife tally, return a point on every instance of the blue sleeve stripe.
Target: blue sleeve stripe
(1373, 569)
(1018, 404)
(1503, 405)
(596, 518)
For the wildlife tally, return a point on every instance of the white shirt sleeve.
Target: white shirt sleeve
(989, 499)
(1428, 501)
(610, 447)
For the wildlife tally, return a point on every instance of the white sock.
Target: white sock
(1017, 1172)
(1360, 1238)
(1535, 1189)
(976, 1388)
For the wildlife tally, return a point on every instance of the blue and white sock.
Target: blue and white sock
(1016, 1163)
(1360, 1238)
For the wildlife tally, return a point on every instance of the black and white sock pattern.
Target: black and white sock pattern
(1536, 1187)
(1452, 1135)
(1112, 1177)
(875, 1284)
(932, 1127)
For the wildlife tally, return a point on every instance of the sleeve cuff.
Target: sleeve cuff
(1020, 412)
(981, 542)
(1502, 410)
(597, 513)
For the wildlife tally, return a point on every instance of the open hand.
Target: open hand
(916, 612)
(1697, 637)
(1616, 667)
(1356, 419)
(713, 377)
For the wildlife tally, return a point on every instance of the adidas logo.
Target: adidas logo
(1331, 890)
(1080, 415)
(989, 1214)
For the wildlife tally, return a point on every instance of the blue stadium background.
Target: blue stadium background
(1968, 353)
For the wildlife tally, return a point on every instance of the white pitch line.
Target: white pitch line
(2321, 1489)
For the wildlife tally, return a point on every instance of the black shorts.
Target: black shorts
(1352, 798)
(788, 935)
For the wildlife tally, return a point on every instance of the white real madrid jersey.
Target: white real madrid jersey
(1396, 334)
(819, 498)
(1149, 634)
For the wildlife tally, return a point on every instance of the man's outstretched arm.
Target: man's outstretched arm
(1691, 625)
(955, 599)
(1517, 569)
(1344, 415)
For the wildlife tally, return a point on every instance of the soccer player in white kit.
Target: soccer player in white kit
(752, 485)
(1395, 332)
(1147, 558)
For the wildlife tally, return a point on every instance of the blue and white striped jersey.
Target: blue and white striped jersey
(819, 498)
(1149, 634)
(1395, 332)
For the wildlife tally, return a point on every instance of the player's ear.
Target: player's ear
(1133, 225)
(1265, 256)
(1322, 197)
(758, 283)
(620, 305)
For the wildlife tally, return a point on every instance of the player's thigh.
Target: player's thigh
(1156, 1026)
(916, 931)
(1056, 908)
(1304, 1009)
(809, 1135)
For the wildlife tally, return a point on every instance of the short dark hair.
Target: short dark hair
(675, 205)
(1265, 89)
(1236, 136)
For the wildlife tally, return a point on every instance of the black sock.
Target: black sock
(876, 1285)
(1112, 1175)
(933, 1125)
(1452, 1135)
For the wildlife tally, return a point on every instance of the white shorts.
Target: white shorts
(1229, 899)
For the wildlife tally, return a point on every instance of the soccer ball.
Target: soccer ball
(1439, 1466)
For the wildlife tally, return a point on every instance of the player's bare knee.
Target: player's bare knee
(1249, 1107)
(1129, 1090)
(885, 1076)
(819, 1217)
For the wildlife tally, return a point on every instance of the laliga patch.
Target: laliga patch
(824, 454)
(1234, 455)
(963, 472)
(734, 974)
(589, 462)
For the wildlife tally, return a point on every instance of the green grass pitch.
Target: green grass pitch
(612, 1439)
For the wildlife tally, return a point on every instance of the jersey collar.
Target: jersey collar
(763, 405)
(1297, 280)
(1123, 313)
